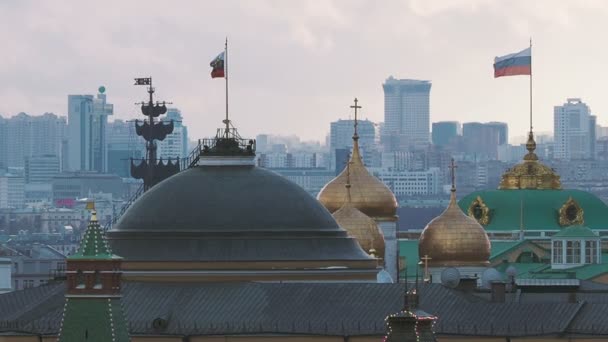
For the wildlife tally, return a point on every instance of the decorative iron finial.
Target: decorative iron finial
(356, 136)
(453, 168)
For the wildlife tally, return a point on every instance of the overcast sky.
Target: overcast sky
(295, 66)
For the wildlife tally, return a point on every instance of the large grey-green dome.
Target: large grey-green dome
(230, 213)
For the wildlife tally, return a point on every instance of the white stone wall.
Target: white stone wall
(391, 247)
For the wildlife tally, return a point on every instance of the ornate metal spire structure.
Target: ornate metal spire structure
(151, 169)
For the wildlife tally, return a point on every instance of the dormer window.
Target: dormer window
(575, 246)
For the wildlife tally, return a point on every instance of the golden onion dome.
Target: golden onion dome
(531, 173)
(454, 239)
(368, 193)
(361, 227)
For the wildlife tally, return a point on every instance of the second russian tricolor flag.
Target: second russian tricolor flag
(519, 63)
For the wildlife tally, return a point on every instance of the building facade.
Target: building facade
(444, 132)
(340, 137)
(23, 136)
(574, 129)
(123, 144)
(12, 193)
(87, 127)
(41, 168)
(411, 183)
(175, 144)
(483, 139)
(406, 114)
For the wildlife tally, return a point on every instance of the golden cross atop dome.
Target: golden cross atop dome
(453, 168)
(356, 107)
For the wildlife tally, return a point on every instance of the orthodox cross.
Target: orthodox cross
(356, 107)
(426, 259)
(453, 168)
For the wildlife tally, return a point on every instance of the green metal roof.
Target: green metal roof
(93, 245)
(93, 320)
(540, 208)
(576, 232)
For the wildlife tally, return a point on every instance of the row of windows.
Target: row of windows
(574, 252)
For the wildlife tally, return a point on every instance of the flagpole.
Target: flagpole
(530, 85)
(227, 122)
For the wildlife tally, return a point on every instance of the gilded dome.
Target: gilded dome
(360, 226)
(454, 239)
(368, 193)
(530, 174)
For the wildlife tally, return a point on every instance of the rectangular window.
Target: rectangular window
(590, 252)
(573, 252)
(557, 252)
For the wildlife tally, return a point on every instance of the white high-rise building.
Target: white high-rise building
(406, 114)
(87, 124)
(175, 144)
(574, 130)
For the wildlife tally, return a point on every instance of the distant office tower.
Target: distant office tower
(445, 132)
(123, 144)
(503, 131)
(341, 137)
(483, 139)
(175, 144)
(574, 130)
(41, 169)
(406, 114)
(87, 124)
(23, 136)
(262, 143)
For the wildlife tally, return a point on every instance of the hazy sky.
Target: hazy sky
(295, 66)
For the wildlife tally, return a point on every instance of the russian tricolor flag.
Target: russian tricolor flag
(519, 63)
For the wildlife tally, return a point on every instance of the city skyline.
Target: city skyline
(306, 79)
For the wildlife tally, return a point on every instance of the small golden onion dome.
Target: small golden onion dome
(368, 193)
(531, 173)
(361, 227)
(454, 239)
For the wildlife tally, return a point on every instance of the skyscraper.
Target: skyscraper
(87, 121)
(483, 139)
(444, 132)
(574, 134)
(406, 114)
(23, 136)
(175, 144)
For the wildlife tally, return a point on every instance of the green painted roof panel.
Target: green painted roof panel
(93, 320)
(540, 208)
(576, 232)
